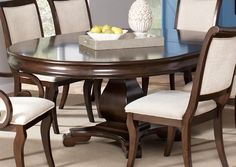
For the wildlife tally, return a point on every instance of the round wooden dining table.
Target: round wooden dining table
(62, 55)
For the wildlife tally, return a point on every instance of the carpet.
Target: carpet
(101, 152)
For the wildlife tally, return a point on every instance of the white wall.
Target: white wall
(112, 12)
(6, 84)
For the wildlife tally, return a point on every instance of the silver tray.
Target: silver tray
(128, 40)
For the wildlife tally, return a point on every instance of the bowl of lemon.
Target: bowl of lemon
(106, 32)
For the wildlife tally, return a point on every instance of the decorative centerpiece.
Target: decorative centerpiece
(140, 16)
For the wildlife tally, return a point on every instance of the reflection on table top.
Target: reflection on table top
(67, 48)
(63, 56)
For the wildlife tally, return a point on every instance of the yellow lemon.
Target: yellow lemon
(117, 30)
(108, 31)
(105, 27)
(96, 29)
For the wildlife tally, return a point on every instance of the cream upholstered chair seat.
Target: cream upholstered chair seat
(25, 109)
(169, 104)
(188, 87)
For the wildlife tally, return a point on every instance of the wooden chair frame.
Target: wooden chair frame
(189, 119)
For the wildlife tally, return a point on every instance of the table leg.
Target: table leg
(187, 76)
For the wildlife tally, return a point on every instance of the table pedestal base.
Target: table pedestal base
(111, 130)
(111, 107)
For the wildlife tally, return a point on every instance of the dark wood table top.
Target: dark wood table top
(62, 55)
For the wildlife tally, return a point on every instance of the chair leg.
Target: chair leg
(186, 146)
(17, 85)
(145, 83)
(87, 98)
(19, 143)
(92, 96)
(235, 111)
(133, 140)
(172, 81)
(51, 94)
(219, 140)
(45, 134)
(170, 140)
(188, 76)
(64, 96)
(97, 93)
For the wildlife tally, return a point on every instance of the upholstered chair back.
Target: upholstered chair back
(217, 62)
(70, 15)
(197, 15)
(20, 20)
(219, 65)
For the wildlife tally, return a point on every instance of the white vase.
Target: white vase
(140, 16)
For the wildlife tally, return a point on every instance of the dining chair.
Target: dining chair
(21, 21)
(195, 15)
(71, 16)
(17, 115)
(181, 109)
(208, 16)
